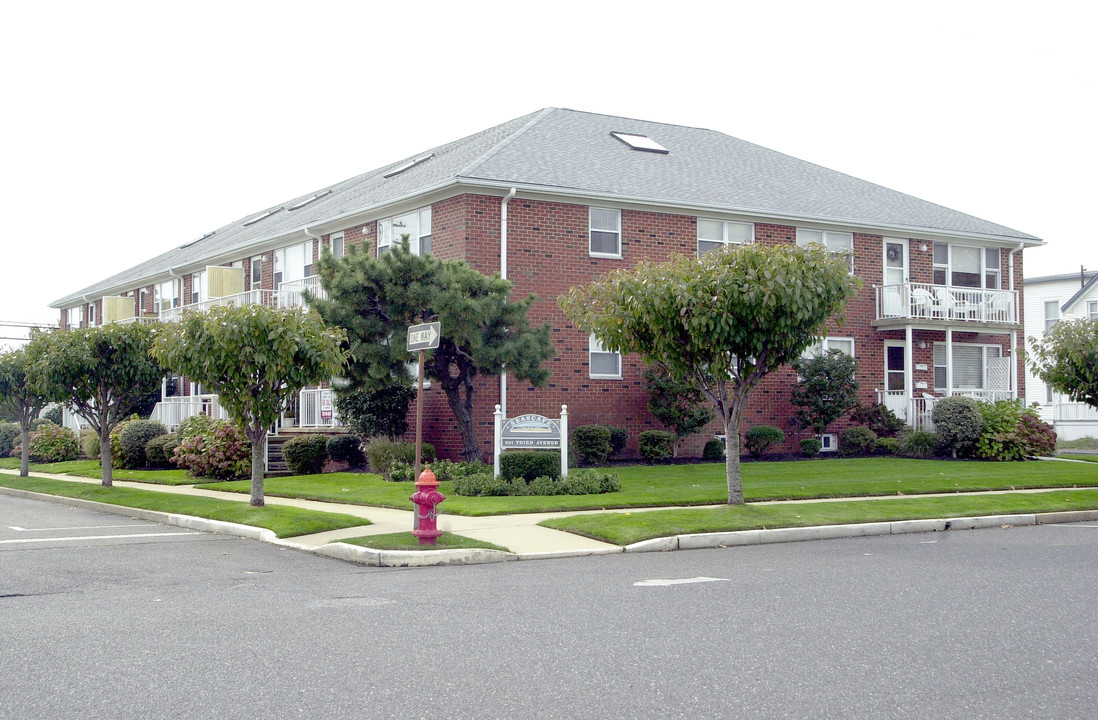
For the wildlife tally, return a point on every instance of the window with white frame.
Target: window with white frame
(198, 287)
(605, 232)
(416, 225)
(336, 242)
(845, 345)
(165, 296)
(75, 317)
(838, 243)
(91, 314)
(713, 234)
(1052, 313)
(142, 298)
(602, 362)
(290, 262)
(257, 272)
(969, 365)
(965, 266)
(1092, 310)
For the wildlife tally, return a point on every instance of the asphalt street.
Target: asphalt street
(986, 624)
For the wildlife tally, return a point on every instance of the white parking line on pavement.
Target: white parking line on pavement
(686, 581)
(82, 527)
(92, 537)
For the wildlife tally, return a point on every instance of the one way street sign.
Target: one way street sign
(423, 337)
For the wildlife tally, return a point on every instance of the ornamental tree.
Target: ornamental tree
(102, 372)
(727, 319)
(255, 358)
(676, 401)
(1066, 358)
(20, 398)
(826, 389)
(483, 331)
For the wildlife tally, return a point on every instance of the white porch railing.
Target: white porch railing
(72, 421)
(917, 411)
(251, 297)
(137, 319)
(923, 301)
(292, 294)
(173, 411)
(1074, 411)
(313, 405)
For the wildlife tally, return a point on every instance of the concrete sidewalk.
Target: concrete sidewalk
(520, 533)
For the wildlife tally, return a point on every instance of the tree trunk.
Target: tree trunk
(24, 454)
(463, 413)
(732, 458)
(105, 457)
(259, 446)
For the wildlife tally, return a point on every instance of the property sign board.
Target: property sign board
(423, 337)
(530, 432)
(325, 404)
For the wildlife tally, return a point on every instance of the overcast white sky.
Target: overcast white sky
(129, 128)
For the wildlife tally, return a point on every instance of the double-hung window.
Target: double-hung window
(605, 232)
(714, 234)
(970, 363)
(603, 363)
(75, 317)
(1052, 313)
(416, 225)
(845, 345)
(336, 242)
(965, 266)
(840, 244)
(198, 287)
(1092, 310)
(165, 296)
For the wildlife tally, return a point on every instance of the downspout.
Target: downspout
(1014, 333)
(503, 274)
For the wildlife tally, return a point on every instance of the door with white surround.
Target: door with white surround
(895, 395)
(895, 290)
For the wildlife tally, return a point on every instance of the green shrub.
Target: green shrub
(618, 438)
(857, 440)
(529, 464)
(383, 452)
(89, 443)
(592, 443)
(888, 446)
(133, 439)
(9, 438)
(39, 422)
(116, 439)
(879, 419)
(959, 423)
(918, 444)
(656, 445)
(810, 447)
(760, 438)
(348, 449)
(713, 450)
(481, 485)
(450, 470)
(579, 482)
(400, 471)
(159, 450)
(1000, 439)
(56, 415)
(213, 449)
(53, 443)
(306, 455)
(1038, 437)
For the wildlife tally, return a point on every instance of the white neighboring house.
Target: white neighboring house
(1049, 300)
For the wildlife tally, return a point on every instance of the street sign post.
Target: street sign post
(420, 338)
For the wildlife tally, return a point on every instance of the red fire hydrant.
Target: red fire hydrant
(427, 499)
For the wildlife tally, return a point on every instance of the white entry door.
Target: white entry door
(895, 298)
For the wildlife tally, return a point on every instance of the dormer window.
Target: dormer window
(640, 142)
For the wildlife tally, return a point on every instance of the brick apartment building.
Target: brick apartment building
(558, 197)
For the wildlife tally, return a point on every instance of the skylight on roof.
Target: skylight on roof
(408, 165)
(640, 142)
(261, 216)
(306, 201)
(195, 242)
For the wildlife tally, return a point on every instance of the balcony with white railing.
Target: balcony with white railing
(917, 411)
(268, 298)
(137, 319)
(172, 411)
(930, 305)
(291, 294)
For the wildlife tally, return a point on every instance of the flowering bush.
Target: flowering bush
(52, 443)
(214, 449)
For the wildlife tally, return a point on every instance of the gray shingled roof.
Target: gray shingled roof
(571, 152)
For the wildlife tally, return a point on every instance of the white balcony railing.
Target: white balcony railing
(1073, 412)
(316, 408)
(173, 411)
(292, 294)
(923, 301)
(137, 319)
(251, 297)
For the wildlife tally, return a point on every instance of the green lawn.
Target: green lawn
(626, 528)
(408, 541)
(92, 469)
(284, 521)
(704, 484)
(1076, 456)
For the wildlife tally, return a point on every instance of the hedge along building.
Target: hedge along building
(556, 198)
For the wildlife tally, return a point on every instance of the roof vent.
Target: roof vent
(640, 142)
(195, 242)
(306, 201)
(261, 216)
(408, 165)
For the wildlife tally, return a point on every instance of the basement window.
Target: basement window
(408, 165)
(641, 142)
